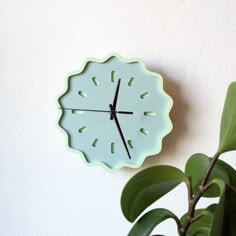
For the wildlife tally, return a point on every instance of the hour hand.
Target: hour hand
(113, 114)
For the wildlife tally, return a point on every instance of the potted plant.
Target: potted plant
(203, 176)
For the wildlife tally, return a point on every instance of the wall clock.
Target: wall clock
(115, 112)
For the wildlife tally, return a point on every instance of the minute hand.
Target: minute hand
(113, 114)
(116, 97)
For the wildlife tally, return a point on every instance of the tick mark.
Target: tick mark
(83, 129)
(149, 113)
(82, 94)
(112, 148)
(131, 81)
(144, 131)
(144, 95)
(95, 142)
(95, 81)
(113, 76)
(76, 111)
(130, 144)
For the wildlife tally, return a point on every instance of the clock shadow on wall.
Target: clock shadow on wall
(177, 114)
(115, 112)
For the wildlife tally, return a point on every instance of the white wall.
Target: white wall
(44, 188)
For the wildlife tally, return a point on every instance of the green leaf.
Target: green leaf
(230, 171)
(217, 173)
(145, 225)
(212, 208)
(228, 122)
(158, 235)
(203, 223)
(225, 215)
(148, 186)
(201, 231)
(196, 167)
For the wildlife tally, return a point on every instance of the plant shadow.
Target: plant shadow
(177, 114)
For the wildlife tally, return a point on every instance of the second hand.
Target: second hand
(120, 112)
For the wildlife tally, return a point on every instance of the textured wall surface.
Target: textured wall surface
(47, 190)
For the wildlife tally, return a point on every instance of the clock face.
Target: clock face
(115, 112)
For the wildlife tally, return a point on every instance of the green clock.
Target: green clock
(115, 112)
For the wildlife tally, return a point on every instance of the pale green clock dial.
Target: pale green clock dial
(115, 112)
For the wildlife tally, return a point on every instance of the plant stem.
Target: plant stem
(213, 161)
(193, 201)
(197, 217)
(190, 189)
